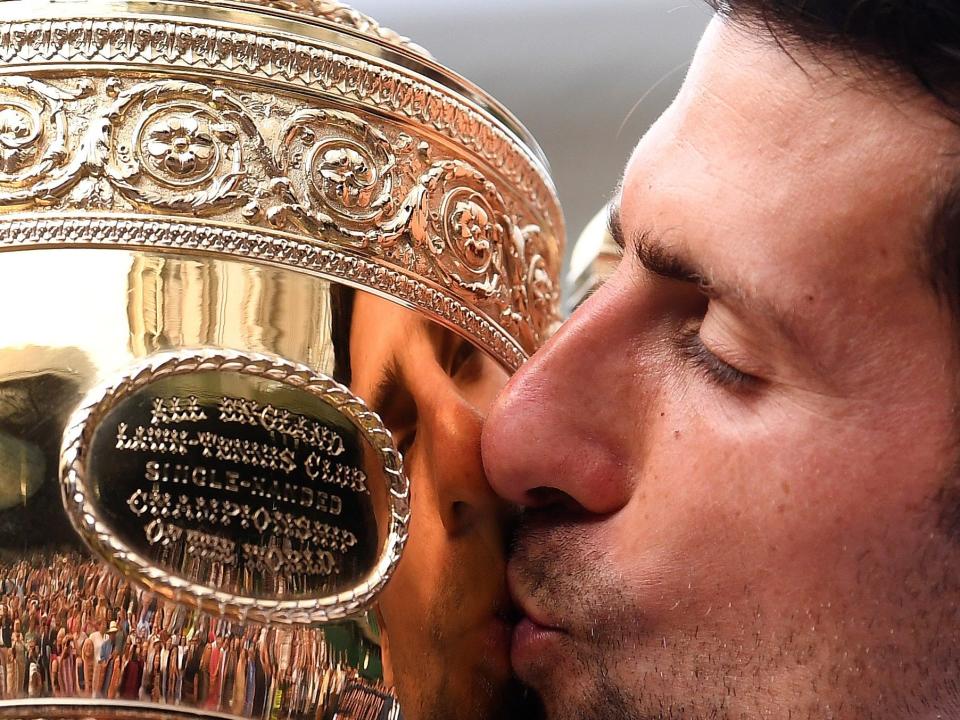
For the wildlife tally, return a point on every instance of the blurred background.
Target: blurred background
(587, 77)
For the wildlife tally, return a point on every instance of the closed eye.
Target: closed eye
(717, 370)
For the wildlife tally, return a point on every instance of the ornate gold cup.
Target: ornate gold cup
(262, 268)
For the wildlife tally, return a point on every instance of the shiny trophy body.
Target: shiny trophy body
(262, 269)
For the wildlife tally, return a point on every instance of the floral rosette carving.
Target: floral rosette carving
(355, 186)
(462, 221)
(340, 172)
(177, 146)
(34, 136)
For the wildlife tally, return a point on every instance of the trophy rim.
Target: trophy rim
(404, 56)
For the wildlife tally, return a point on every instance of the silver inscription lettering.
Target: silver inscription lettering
(282, 422)
(176, 410)
(334, 473)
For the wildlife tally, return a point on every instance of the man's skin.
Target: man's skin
(739, 488)
(445, 633)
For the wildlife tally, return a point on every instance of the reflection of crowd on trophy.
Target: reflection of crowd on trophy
(69, 627)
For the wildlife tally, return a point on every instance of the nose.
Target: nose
(556, 430)
(464, 497)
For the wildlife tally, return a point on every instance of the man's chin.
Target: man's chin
(601, 702)
(521, 702)
(508, 701)
(572, 682)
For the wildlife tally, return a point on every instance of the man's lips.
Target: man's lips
(491, 635)
(524, 605)
(532, 644)
(534, 634)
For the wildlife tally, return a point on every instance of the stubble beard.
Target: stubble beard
(618, 664)
(486, 698)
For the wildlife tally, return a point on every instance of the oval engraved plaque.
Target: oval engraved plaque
(240, 484)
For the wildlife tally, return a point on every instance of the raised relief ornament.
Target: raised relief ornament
(264, 265)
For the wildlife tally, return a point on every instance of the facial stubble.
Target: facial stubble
(836, 660)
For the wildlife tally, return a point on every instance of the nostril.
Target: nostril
(460, 517)
(460, 511)
(548, 498)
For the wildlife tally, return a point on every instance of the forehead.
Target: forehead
(382, 330)
(768, 158)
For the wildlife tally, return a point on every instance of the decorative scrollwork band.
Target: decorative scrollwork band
(197, 47)
(161, 234)
(172, 147)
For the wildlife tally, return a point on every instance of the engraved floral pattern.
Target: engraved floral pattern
(179, 146)
(174, 147)
(473, 231)
(302, 63)
(34, 129)
(542, 296)
(462, 220)
(540, 285)
(346, 176)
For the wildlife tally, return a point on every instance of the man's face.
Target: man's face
(735, 455)
(445, 636)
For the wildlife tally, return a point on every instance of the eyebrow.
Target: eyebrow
(387, 387)
(656, 258)
(660, 261)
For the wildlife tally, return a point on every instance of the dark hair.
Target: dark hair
(341, 320)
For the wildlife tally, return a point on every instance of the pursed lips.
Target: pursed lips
(526, 608)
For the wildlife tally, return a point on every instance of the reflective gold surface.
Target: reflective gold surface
(437, 635)
(250, 253)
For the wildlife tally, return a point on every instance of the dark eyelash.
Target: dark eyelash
(692, 348)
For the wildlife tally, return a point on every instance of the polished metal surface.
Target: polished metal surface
(262, 275)
(438, 625)
(593, 259)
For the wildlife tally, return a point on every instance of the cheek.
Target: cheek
(769, 504)
(423, 550)
(483, 389)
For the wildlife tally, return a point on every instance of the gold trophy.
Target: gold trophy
(263, 266)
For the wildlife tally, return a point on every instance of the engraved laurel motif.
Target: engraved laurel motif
(174, 145)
